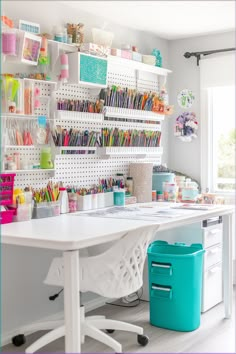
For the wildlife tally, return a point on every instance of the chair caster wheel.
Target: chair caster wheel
(18, 340)
(143, 340)
(110, 330)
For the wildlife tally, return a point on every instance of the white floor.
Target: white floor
(215, 335)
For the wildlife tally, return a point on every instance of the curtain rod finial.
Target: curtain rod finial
(187, 55)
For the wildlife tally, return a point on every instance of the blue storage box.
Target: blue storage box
(159, 177)
(175, 284)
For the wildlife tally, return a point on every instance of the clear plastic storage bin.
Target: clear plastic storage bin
(46, 209)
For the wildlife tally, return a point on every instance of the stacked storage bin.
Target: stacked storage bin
(175, 284)
(6, 196)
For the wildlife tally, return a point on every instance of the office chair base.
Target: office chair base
(18, 340)
(91, 326)
(142, 340)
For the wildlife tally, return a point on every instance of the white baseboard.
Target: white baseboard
(89, 306)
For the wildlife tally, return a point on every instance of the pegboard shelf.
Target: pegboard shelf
(73, 149)
(65, 47)
(135, 65)
(79, 116)
(134, 151)
(50, 170)
(41, 81)
(19, 116)
(133, 114)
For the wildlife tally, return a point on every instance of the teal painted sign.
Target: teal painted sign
(93, 70)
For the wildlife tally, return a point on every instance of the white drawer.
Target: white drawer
(212, 256)
(212, 287)
(212, 235)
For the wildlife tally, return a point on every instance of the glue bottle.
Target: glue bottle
(64, 202)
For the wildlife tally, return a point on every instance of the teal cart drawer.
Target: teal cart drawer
(175, 280)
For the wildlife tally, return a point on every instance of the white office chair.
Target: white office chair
(115, 273)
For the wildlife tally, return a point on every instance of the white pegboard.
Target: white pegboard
(85, 170)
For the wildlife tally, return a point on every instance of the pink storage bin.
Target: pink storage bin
(126, 54)
(6, 216)
(6, 188)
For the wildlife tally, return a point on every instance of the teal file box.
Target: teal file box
(175, 284)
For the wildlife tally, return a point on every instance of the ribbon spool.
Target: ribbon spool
(64, 68)
(9, 43)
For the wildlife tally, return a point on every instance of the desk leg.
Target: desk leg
(72, 302)
(227, 264)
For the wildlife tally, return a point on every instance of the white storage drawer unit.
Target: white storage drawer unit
(209, 233)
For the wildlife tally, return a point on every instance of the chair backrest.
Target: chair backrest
(115, 273)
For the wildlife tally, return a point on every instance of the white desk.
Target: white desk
(70, 233)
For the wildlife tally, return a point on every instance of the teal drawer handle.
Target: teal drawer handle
(159, 291)
(161, 268)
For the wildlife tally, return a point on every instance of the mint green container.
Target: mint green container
(175, 284)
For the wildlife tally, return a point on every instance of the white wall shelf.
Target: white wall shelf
(133, 114)
(79, 116)
(50, 170)
(133, 151)
(74, 149)
(135, 65)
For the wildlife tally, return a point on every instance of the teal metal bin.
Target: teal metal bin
(175, 284)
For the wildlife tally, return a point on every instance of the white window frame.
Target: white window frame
(212, 78)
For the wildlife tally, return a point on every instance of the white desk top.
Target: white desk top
(71, 231)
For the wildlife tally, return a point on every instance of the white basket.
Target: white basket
(102, 37)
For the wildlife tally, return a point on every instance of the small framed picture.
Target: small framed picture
(30, 49)
(29, 27)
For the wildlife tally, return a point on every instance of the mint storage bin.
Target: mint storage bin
(175, 281)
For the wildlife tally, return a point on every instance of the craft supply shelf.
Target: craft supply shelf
(75, 150)
(134, 114)
(133, 151)
(79, 116)
(34, 170)
(81, 165)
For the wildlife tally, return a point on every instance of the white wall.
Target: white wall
(185, 157)
(24, 297)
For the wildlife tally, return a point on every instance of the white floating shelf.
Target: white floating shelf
(21, 146)
(79, 116)
(134, 114)
(123, 151)
(41, 81)
(65, 47)
(76, 150)
(132, 64)
(19, 115)
(31, 170)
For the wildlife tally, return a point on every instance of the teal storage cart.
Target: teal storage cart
(175, 284)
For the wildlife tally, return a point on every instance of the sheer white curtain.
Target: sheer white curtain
(215, 71)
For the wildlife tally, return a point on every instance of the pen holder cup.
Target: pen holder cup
(108, 199)
(84, 202)
(45, 210)
(119, 197)
(94, 201)
(101, 200)
(23, 212)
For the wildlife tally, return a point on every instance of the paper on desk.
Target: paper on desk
(136, 213)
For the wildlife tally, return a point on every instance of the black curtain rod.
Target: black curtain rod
(207, 52)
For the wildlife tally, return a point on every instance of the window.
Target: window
(222, 137)
(217, 124)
